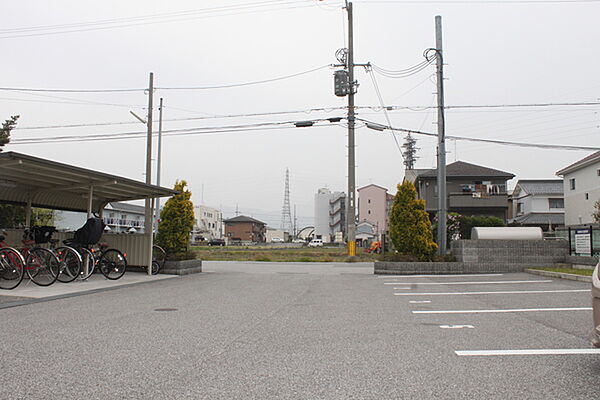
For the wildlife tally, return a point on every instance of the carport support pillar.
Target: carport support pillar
(28, 213)
(90, 201)
(148, 232)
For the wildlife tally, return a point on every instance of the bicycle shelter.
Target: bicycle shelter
(36, 182)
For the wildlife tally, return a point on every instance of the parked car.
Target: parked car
(316, 243)
(216, 242)
(276, 240)
(595, 337)
(298, 240)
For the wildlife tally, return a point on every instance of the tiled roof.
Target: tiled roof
(542, 186)
(541, 219)
(581, 163)
(465, 169)
(243, 218)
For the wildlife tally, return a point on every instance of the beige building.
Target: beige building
(374, 204)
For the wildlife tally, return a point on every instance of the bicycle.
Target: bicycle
(70, 262)
(41, 264)
(12, 266)
(159, 257)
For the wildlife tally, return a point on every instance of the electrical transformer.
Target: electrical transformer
(341, 83)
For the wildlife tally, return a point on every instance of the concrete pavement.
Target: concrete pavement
(301, 331)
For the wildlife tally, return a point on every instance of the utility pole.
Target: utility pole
(148, 203)
(441, 156)
(350, 207)
(158, 161)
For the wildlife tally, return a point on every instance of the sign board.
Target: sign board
(583, 241)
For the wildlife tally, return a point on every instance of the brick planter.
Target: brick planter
(182, 267)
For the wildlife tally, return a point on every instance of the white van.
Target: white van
(316, 243)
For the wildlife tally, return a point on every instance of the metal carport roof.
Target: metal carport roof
(43, 183)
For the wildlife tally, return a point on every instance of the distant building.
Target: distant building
(581, 184)
(245, 229)
(374, 204)
(208, 223)
(470, 189)
(272, 233)
(330, 215)
(538, 203)
(119, 217)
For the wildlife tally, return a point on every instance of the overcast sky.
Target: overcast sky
(496, 53)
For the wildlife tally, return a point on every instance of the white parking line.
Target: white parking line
(457, 327)
(498, 292)
(420, 301)
(530, 352)
(435, 276)
(506, 310)
(466, 283)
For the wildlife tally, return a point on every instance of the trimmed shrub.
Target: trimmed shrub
(176, 221)
(410, 227)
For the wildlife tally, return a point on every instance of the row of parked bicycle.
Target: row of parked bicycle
(44, 261)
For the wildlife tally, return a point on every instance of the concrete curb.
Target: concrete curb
(561, 275)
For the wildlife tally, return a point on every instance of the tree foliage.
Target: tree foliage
(13, 216)
(176, 221)
(410, 227)
(596, 213)
(7, 126)
(466, 223)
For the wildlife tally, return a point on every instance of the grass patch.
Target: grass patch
(584, 272)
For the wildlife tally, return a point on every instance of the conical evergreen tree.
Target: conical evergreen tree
(410, 227)
(176, 221)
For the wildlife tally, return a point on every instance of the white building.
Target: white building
(118, 217)
(330, 215)
(276, 234)
(581, 182)
(538, 203)
(208, 223)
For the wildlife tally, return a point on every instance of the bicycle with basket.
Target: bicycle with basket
(112, 263)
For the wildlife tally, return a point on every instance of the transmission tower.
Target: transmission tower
(410, 152)
(286, 213)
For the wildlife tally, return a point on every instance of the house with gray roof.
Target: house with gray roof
(471, 189)
(538, 202)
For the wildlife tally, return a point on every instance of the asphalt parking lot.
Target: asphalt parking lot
(306, 331)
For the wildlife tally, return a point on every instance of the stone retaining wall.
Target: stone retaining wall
(415, 268)
(540, 252)
(182, 267)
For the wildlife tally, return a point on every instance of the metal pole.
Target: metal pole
(350, 206)
(158, 162)
(441, 168)
(148, 203)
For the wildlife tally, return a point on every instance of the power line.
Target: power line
(16, 89)
(245, 83)
(475, 1)
(492, 141)
(171, 132)
(140, 21)
(80, 125)
(387, 117)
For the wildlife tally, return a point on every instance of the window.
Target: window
(519, 208)
(598, 172)
(587, 196)
(369, 212)
(369, 201)
(556, 203)
(572, 183)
